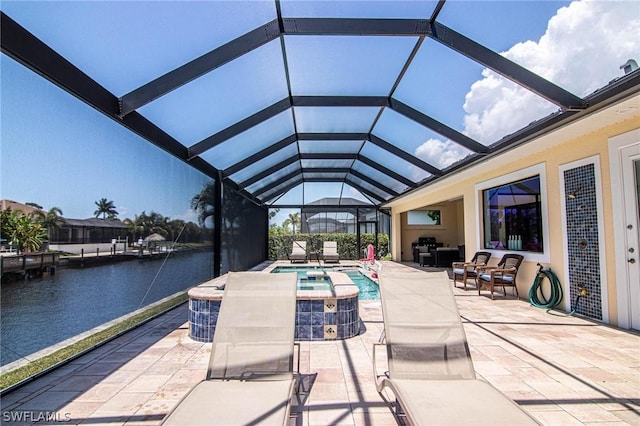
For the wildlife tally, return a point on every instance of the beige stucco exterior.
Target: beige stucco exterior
(457, 195)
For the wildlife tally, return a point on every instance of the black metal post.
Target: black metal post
(217, 226)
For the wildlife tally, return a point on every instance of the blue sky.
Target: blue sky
(58, 152)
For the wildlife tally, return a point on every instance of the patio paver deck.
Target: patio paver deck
(564, 370)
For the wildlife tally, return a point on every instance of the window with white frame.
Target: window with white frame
(512, 216)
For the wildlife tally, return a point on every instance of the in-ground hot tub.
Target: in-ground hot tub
(326, 307)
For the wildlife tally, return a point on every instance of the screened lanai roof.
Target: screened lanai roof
(285, 100)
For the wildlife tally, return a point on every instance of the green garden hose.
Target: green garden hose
(536, 296)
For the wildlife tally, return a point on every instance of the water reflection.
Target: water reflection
(41, 312)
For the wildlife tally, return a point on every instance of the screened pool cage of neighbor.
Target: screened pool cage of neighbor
(314, 106)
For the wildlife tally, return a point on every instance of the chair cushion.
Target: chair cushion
(507, 279)
(458, 271)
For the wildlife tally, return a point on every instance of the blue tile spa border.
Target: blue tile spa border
(320, 315)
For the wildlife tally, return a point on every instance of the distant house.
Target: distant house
(75, 235)
(88, 231)
(15, 206)
(90, 235)
(342, 215)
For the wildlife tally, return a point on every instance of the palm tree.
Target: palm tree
(293, 220)
(50, 220)
(203, 202)
(106, 209)
(152, 223)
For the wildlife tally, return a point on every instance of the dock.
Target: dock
(29, 264)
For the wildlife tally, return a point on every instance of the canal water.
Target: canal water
(40, 312)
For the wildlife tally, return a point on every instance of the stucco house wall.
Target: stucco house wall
(588, 139)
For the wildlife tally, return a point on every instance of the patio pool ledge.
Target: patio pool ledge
(320, 314)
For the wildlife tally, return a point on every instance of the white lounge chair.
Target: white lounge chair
(330, 252)
(430, 371)
(298, 252)
(250, 379)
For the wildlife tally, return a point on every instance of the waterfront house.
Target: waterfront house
(89, 235)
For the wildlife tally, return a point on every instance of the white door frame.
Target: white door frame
(616, 144)
(604, 294)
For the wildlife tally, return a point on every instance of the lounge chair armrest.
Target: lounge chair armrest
(459, 264)
(486, 268)
(296, 345)
(376, 376)
(495, 271)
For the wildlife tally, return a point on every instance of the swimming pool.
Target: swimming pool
(312, 280)
(369, 289)
(327, 305)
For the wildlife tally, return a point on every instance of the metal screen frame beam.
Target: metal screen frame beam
(326, 170)
(365, 160)
(198, 67)
(19, 44)
(277, 183)
(371, 194)
(269, 171)
(327, 156)
(346, 180)
(260, 155)
(373, 182)
(333, 136)
(283, 190)
(239, 127)
(437, 127)
(409, 158)
(356, 26)
(503, 66)
(340, 101)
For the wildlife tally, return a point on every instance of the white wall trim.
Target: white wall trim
(537, 169)
(616, 143)
(595, 160)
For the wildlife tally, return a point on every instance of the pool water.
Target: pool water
(313, 282)
(368, 289)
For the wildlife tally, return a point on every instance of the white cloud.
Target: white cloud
(440, 154)
(582, 50)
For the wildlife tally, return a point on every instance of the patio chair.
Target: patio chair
(330, 252)
(250, 378)
(430, 371)
(298, 252)
(503, 274)
(465, 270)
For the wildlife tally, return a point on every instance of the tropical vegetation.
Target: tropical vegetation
(176, 230)
(23, 230)
(105, 208)
(51, 219)
(292, 220)
(281, 241)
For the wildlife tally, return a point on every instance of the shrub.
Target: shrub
(280, 243)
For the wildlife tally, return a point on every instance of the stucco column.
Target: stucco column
(396, 235)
